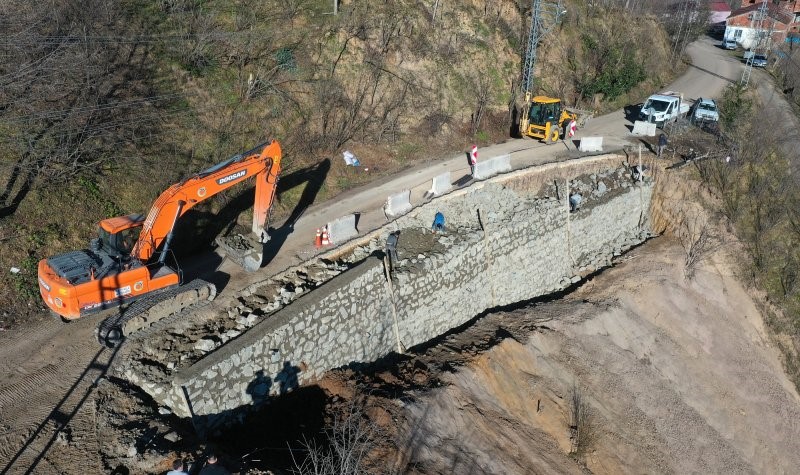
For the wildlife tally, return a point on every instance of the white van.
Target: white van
(729, 43)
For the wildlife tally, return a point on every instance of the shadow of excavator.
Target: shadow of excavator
(314, 177)
(196, 231)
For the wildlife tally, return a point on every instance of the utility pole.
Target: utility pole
(545, 15)
(758, 28)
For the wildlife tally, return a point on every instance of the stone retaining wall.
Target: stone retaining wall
(508, 240)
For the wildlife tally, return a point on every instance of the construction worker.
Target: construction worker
(213, 467)
(178, 468)
(575, 201)
(438, 223)
(662, 144)
(391, 248)
(473, 159)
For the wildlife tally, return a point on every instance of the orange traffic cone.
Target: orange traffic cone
(318, 239)
(325, 240)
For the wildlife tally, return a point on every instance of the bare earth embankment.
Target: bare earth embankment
(676, 376)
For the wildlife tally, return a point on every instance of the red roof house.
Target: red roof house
(779, 21)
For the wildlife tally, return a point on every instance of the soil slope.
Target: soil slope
(678, 376)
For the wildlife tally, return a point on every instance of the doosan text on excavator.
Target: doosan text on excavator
(127, 263)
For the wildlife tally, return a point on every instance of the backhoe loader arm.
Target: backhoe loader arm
(263, 162)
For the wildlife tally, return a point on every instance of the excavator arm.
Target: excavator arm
(262, 162)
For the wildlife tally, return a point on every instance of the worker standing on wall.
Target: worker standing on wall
(473, 160)
(391, 248)
(575, 201)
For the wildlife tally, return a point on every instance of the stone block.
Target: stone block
(342, 229)
(645, 129)
(441, 184)
(493, 166)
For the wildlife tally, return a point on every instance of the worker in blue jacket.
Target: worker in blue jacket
(438, 223)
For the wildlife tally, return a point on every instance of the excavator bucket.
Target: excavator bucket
(243, 250)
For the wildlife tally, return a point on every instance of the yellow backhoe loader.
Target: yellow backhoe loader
(545, 118)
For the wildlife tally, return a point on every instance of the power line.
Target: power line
(759, 21)
(89, 129)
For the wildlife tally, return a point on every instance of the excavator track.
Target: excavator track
(148, 310)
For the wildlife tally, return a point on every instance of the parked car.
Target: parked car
(759, 60)
(665, 107)
(729, 43)
(705, 110)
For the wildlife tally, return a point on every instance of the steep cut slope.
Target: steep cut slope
(675, 376)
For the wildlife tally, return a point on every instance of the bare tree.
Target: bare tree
(482, 96)
(698, 240)
(72, 96)
(350, 441)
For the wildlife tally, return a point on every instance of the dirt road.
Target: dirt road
(49, 368)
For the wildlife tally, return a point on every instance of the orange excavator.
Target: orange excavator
(127, 264)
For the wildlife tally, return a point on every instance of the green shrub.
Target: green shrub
(615, 73)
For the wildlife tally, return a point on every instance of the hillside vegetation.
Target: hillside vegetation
(105, 103)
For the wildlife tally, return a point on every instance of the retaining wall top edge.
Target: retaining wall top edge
(581, 163)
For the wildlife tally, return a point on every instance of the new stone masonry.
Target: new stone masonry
(509, 239)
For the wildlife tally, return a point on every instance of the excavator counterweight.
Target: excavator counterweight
(128, 262)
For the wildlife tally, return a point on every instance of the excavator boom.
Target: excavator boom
(263, 162)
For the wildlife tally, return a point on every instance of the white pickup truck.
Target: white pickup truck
(664, 107)
(704, 110)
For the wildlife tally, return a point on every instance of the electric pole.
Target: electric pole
(545, 15)
(758, 29)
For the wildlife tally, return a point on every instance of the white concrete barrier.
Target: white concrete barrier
(441, 184)
(591, 144)
(397, 204)
(342, 229)
(502, 163)
(647, 129)
(492, 167)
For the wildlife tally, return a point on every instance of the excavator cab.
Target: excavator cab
(86, 280)
(544, 118)
(117, 236)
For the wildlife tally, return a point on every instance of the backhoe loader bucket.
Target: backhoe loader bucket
(243, 250)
